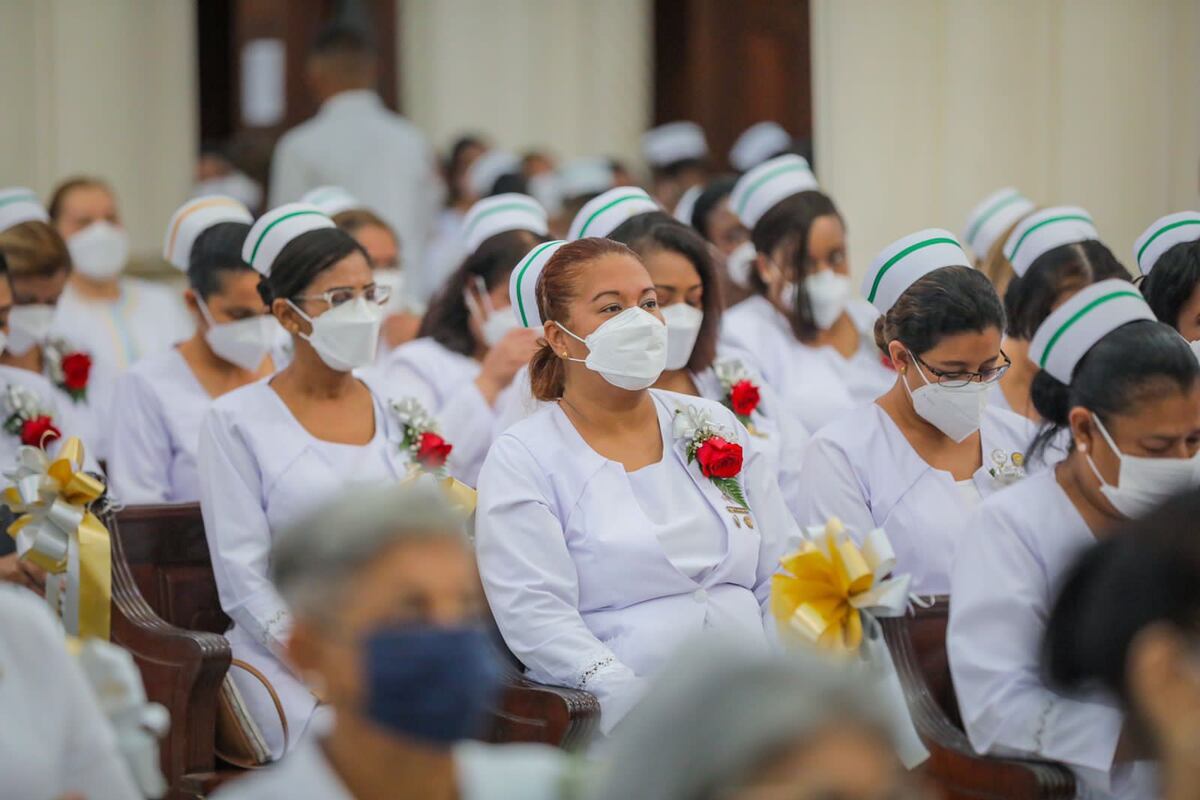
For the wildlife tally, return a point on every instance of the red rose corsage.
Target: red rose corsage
(68, 369)
(424, 444)
(26, 419)
(741, 393)
(720, 460)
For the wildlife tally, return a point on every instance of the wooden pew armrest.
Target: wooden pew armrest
(553, 715)
(953, 763)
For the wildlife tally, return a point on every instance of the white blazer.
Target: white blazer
(583, 593)
(862, 470)
(1011, 558)
(443, 381)
(260, 471)
(817, 383)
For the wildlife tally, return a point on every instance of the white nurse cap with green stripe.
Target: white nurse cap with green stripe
(905, 261)
(331, 199)
(500, 214)
(522, 284)
(604, 214)
(1164, 234)
(765, 186)
(675, 141)
(275, 229)
(1045, 230)
(995, 214)
(195, 217)
(17, 205)
(1074, 327)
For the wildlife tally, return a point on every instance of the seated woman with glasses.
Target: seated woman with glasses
(919, 459)
(271, 450)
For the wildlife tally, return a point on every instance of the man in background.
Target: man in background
(356, 143)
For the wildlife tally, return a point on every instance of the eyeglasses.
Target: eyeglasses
(375, 293)
(957, 380)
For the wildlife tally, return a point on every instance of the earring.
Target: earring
(1083, 448)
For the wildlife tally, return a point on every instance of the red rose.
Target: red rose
(744, 398)
(76, 367)
(719, 458)
(39, 432)
(432, 451)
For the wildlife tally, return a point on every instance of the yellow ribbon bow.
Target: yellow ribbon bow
(460, 496)
(59, 533)
(830, 582)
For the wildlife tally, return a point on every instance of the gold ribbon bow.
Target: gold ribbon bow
(460, 496)
(58, 533)
(831, 582)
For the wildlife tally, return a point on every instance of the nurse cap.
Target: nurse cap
(1164, 234)
(765, 186)
(601, 215)
(195, 217)
(275, 229)
(331, 199)
(758, 143)
(522, 284)
(500, 214)
(687, 204)
(583, 176)
(675, 141)
(995, 214)
(1045, 230)
(1075, 326)
(17, 205)
(905, 261)
(490, 167)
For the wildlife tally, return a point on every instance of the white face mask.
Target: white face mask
(956, 412)
(683, 326)
(494, 323)
(1143, 484)
(244, 342)
(629, 350)
(393, 279)
(347, 337)
(740, 262)
(29, 327)
(1196, 348)
(100, 250)
(827, 293)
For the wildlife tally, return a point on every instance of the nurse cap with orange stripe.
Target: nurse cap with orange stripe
(195, 217)
(278, 227)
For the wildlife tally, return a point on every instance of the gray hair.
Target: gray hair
(312, 560)
(717, 710)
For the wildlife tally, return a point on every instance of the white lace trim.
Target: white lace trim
(594, 670)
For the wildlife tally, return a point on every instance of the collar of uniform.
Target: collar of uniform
(352, 100)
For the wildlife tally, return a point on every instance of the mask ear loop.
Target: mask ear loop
(583, 342)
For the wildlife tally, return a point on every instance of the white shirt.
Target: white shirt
(53, 737)
(153, 454)
(145, 320)
(1011, 558)
(816, 383)
(260, 470)
(582, 588)
(862, 470)
(443, 382)
(381, 158)
(484, 772)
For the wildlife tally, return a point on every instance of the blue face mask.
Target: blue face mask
(431, 684)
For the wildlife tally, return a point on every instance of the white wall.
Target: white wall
(572, 75)
(103, 87)
(925, 106)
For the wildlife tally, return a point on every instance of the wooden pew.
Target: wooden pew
(169, 561)
(918, 646)
(181, 668)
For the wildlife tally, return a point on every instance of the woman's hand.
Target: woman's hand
(22, 573)
(503, 361)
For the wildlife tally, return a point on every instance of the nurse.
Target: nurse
(677, 154)
(619, 520)
(163, 398)
(1168, 256)
(1128, 390)
(919, 459)
(1054, 253)
(122, 319)
(713, 218)
(38, 268)
(273, 449)
(990, 223)
(685, 282)
(471, 346)
(605, 213)
(802, 331)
